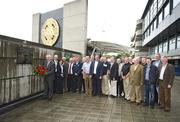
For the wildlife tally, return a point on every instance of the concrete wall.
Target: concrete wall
(16, 80)
(75, 26)
(36, 28)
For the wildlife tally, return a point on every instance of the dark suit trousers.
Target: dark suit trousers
(81, 83)
(96, 83)
(55, 83)
(60, 84)
(165, 95)
(74, 83)
(120, 88)
(69, 82)
(48, 91)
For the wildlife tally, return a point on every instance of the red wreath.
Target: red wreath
(40, 70)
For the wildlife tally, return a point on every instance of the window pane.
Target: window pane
(178, 42)
(172, 43)
(160, 48)
(156, 49)
(175, 2)
(160, 2)
(165, 47)
(160, 17)
(166, 10)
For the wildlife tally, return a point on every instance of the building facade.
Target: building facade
(161, 29)
(71, 29)
(137, 40)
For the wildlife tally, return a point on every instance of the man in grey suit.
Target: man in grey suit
(49, 77)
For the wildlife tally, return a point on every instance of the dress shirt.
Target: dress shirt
(95, 66)
(147, 72)
(162, 72)
(156, 63)
(86, 67)
(120, 68)
(55, 62)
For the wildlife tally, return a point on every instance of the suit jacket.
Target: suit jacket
(105, 68)
(59, 71)
(136, 76)
(114, 71)
(169, 74)
(153, 74)
(99, 69)
(77, 68)
(66, 65)
(50, 74)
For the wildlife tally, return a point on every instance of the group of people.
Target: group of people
(137, 80)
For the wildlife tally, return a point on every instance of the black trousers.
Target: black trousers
(48, 89)
(120, 87)
(55, 82)
(81, 83)
(96, 85)
(74, 83)
(60, 85)
(69, 82)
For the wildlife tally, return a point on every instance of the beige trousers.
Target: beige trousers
(88, 84)
(105, 85)
(127, 88)
(136, 93)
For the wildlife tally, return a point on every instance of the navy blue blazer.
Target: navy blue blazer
(99, 69)
(153, 74)
(77, 68)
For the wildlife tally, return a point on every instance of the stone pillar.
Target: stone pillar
(36, 27)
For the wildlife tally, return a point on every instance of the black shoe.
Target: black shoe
(145, 104)
(152, 106)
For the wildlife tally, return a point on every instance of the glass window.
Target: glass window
(155, 23)
(152, 50)
(166, 10)
(156, 49)
(160, 2)
(165, 47)
(178, 42)
(160, 17)
(152, 26)
(175, 2)
(160, 48)
(172, 44)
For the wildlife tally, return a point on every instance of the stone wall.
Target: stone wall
(16, 80)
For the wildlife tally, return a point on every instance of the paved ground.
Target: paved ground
(80, 108)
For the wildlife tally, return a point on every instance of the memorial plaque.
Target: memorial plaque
(24, 55)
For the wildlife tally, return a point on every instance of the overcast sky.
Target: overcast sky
(108, 20)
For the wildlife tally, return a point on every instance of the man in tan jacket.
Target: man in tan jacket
(136, 78)
(166, 79)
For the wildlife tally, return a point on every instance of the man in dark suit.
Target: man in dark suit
(158, 64)
(166, 78)
(70, 75)
(77, 69)
(61, 74)
(65, 65)
(96, 75)
(151, 74)
(49, 77)
(113, 75)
